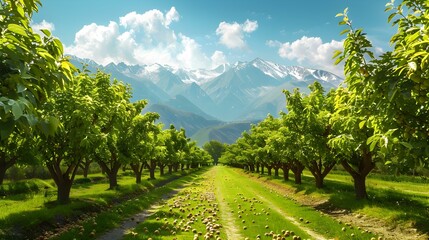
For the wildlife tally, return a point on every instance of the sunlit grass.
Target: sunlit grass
(404, 202)
(24, 211)
(277, 212)
(192, 212)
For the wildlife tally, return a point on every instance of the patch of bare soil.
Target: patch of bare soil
(63, 224)
(231, 230)
(132, 222)
(374, 225)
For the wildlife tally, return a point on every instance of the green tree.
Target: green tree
(309, 118)
(139, 143)
(382, 114)
(31, 67)
(215, 149)
(116, 113)
(76, 136)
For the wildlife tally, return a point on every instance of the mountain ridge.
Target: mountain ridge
(228, 93)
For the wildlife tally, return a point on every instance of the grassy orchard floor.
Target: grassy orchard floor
(395, 206)
(225, 202)
(225, 205)
(24, 215)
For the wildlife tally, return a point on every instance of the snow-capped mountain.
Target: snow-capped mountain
(244, 90)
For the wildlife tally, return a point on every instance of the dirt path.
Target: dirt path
(231, 229)
(132, 222)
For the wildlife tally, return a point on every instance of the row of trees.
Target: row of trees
(55, 115)
(379, 115)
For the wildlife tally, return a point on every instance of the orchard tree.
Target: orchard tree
(116, 113)
(215, 149)
(31, 66)
(308, 117)
(76, 135)
(382, 113)
(139, 143)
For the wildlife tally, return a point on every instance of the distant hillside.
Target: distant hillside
(226, 133)
(191, 122)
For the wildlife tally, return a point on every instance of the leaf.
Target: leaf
(336, 53)
(407, 145)
(362, 124)
(15, 28)
(388, 162)
(46, 32)
(17, 111)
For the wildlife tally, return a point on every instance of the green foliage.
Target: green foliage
(215, 149)
(382, 113)
(31, 66)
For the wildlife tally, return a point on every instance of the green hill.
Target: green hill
(225, 133)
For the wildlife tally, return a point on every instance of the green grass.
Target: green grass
(404, 202)
(278, 206)
(28, 213)
(192, 211)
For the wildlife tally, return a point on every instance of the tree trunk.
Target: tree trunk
(257, 168)
(319, 173)
(319, 181)
(151, 166)
(137, 169)
(360, 186)
(285, 169)
(63, 180)
(262, 169)
(297, 169)
(170, 169)
(298, 178)
(112, 173)
(2, 173)
(161, 170)
(252, 167)
(4, 166)
(365, 166)
(63, 192)
(269, 170)
(113, 180)
(276, 171)
(152, 173)
(85, 167)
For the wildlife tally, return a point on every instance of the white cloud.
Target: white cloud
(145, 38)
(312, 52)
(250, 26)
(273, 43)
(43, 25)
(232, 34)
(191, 55)
(218, 58)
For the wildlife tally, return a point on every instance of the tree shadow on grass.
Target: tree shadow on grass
(405, 207)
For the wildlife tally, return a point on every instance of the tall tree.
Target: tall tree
(31, 66)
(215, 149)
(74, 107)
(138, 145)
(116, 114)
(309, 117)
(382, 114)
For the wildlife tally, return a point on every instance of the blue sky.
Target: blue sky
(205, 33)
